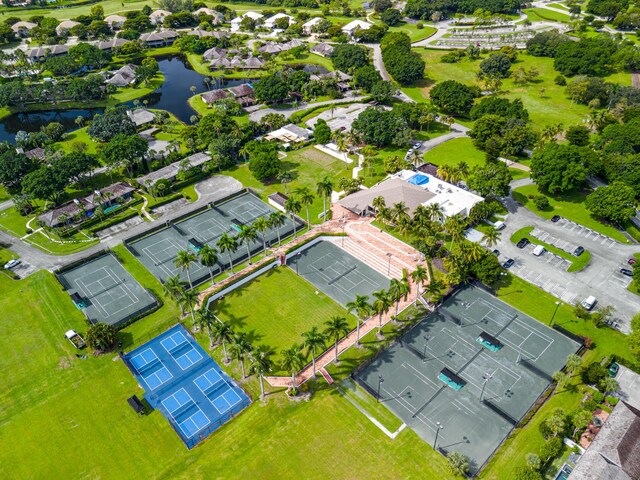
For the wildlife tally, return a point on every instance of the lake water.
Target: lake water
(172, 96)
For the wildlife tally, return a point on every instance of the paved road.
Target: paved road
(600, 278)
(257, 115)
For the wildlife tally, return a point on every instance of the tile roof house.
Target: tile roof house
(614, 454)
(307, 27)
(351, 27)
(217, 16)
(214, 96)
(235, 23)
(159, 39)
(198, 32)
(141, 116)
(109, 45)
(215, 52)
(64, 27)
(115, 22)
(23, 29)
(104, 197)
(323, 49)
(171, 171)
(244, 90)
(289, 134)
(157, 17)
(39, 54)
(37, 153)
(125, 75)
(271, 21)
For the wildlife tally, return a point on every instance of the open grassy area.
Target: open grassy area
(415, 34)
(307, 166)
(57, 409)
(570, 206)
(276, 308)
(75, 243)
(545, 15)
(577, 263)
(547, 108)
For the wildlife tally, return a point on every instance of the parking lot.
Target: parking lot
(601, 277)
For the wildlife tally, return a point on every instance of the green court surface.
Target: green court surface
(106, 291)
(336, 272)
(498, 387)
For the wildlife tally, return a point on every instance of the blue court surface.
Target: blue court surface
(185, 384)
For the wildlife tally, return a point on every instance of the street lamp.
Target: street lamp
(380, 380)
(297, 260)
(486, 377)
(554, 313)
(502, 275)
(438, 428)
(389, 267)
(424, 353)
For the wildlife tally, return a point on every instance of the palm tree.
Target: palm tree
(246, 235)
(398, 290)
(414, 157)
(361, 308)
(573, 363)
(419, 276)
(433, 289)
(336, 327)
(559, 378)
(292, 361)
(174, 287)
(261, 225)
(285, 177)
(261, 364)
(277, 220)
(447, 120)
(400, 212)
(458, 463)
(491, 236)
(223, 333)
(444, 172)
(379, 203)
(306, 199)
(206, 320)
(184, 260)
(293, 206)
(463, 169)
(240, 347)
(436, 213)
(381, 305)
(324, 188)
(474, 252)
(209, 258)
(189, 299)
(314, 341)
(608, 384)
(454, 227)
(229, 244)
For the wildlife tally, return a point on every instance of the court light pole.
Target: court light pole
(297, 260)
(502, 275)
(554, 313)
(380, 380)
(486, 377)
(389, 267)
(424, 353)
(438, 428)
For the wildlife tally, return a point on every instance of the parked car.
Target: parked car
(508, 263)
(627, 272)
(589, 302)
(523, 243)
(417, 145)
(496, 252)
(613, 369)
(578, 251)
(12, 263)
(555, 218)
(539, 250)
(632, 261)
(499, 225)
(75, 339)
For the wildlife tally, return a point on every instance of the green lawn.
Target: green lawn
(577, 263)
(550, 107)
(570, 206)
(415, 34)
(57, 410)
(307, 166)
(544, 15)
(276, 308)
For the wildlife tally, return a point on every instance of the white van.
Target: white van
(539, 250)
(589, 302)
(499, 225)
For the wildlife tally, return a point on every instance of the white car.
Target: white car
(12, 263)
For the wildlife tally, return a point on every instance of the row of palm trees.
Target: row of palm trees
(302, 197)
(208, 255)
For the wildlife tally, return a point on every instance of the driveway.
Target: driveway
(629, 390)
(600, 278)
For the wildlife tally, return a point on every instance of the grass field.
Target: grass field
(307, 166)
(57, 410)
(546, 108)
(276, 308)
(459, 150)
(577, 263)
(545, 15)
(570, 206)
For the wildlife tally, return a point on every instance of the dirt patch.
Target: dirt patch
(65, 362)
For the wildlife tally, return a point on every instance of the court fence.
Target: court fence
(82, 261)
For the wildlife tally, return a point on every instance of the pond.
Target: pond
(171, 96)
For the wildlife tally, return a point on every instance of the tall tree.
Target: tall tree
(324, 190)
(229, 244)
(261, 364)
(206, 320)
(306, 198)
(189, 298)
(293, 206)
(246, 235)
(381, 305)
(314, 341)
(240, 347)
(491, 236)
(223, 333)
(184, 260)
(261, 225)
(277, 220)
(292, 361)
(336, 328)
(209, 258)
(362, 309)
(419, 276)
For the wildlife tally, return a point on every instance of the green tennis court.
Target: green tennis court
(471, 370)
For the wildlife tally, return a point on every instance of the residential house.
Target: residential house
(40, 54)
(351, 27)
(214, 96)
(115, 22)
(214, 53)
(271, 48)
(109, 45)
(307, 28)
(35, 153)
(235, 23)
(243, 94)
(271, 21)
(64, 27)
(159, 39)
(220, 63)
(170, 172)
(141, 116)
(323, 49)
(157, 17)
(217, 16)
(79, 209)
(289, 134)
(198, 32)
(124, 76)
(249, 63)
(23, 29)
(278, 200)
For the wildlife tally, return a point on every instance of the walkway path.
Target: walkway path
(257, 115)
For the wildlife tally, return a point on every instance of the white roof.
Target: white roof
(252, 15)
(312, 22)
(26, 25)
(277, 16)
(67, 24)
(206, 11)
(352, 26)
(115, 18)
